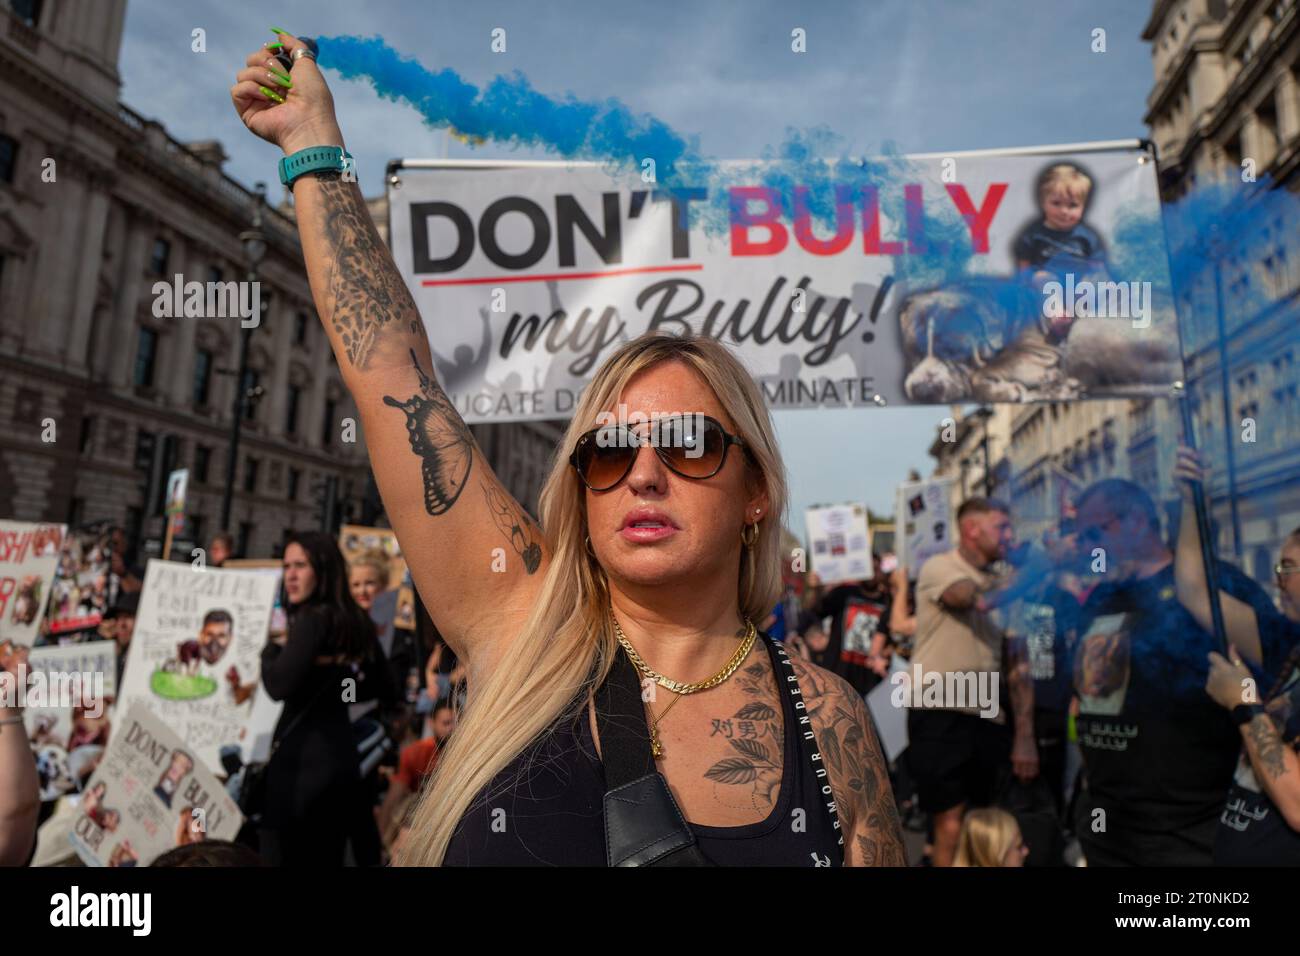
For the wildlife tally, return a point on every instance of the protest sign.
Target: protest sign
(195, 658)
(151, 792)
(839, 542)
(85, 584)
(929, 279)
(94, 661)
(29, 557)
(923, 522)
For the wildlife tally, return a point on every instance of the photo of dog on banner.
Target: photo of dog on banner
(1023, 339)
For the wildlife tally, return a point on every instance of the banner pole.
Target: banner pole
(1203, 531)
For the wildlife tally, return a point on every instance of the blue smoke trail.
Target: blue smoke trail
(509, 110)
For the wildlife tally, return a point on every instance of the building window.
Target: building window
(252, 380)
(291, 410)
(250, 474)
(214, 273)
(196, 529)
(162, 250)
(202, 462)
(87, 434)
(202, 376)
(145, 354)
(244, 538)
(144, 446)
(28, 11)
(300, 329)
(8, 158)
(76, 512)
(327, 432)
(295, 475)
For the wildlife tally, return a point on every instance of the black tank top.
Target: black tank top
(546, 807)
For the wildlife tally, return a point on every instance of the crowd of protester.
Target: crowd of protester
(1123, 734)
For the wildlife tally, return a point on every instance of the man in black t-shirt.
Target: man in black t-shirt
(1158, 752)
(858, 612)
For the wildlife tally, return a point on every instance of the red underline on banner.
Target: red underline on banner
(563, 275)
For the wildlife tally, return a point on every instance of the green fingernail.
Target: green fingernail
(271, 95)
(272, 46)
(280, 77)
(281, 32)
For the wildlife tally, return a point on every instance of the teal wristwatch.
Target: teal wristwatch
(314, 159)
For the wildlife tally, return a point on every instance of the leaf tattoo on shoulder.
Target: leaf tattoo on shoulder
(755, 735)
(514, 524)
(440, 439)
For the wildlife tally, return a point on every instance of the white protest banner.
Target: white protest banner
(150, 793)
(94, 661)
(923, 522)
(840, 543)
(921, 279)
(29, 556)
(195, 657)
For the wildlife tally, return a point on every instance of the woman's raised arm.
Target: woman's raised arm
(474, 553)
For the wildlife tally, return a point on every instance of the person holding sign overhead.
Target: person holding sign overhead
(656, 554)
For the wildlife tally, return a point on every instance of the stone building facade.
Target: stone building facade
(99, 397)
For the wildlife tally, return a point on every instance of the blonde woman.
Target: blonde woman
(615, 654)
(990, 837)
(368, 576)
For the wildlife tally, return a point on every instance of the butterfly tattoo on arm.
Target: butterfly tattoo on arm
(441, 440)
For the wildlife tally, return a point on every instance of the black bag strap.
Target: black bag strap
(620, 720)
(643, 825)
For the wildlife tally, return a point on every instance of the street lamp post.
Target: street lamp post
(254, 243)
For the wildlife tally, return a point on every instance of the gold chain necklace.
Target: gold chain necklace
(677, 687)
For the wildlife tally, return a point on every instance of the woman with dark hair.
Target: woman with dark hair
(313, 787)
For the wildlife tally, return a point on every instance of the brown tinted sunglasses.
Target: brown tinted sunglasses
(693, 446)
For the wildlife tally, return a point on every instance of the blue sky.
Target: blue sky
(926, 75)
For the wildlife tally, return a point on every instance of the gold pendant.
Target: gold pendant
(656, 750)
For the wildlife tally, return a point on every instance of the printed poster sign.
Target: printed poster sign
(29, 557)
(923, 522)
(839, 542)
(85, 585)
(151, 792)
(1025, 275)
(195, 657)
(177, 482)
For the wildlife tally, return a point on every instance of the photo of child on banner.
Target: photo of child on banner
(197, 648)
(1063, 326)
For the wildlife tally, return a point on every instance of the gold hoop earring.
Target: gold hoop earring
(586, 539)
(748, 539)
